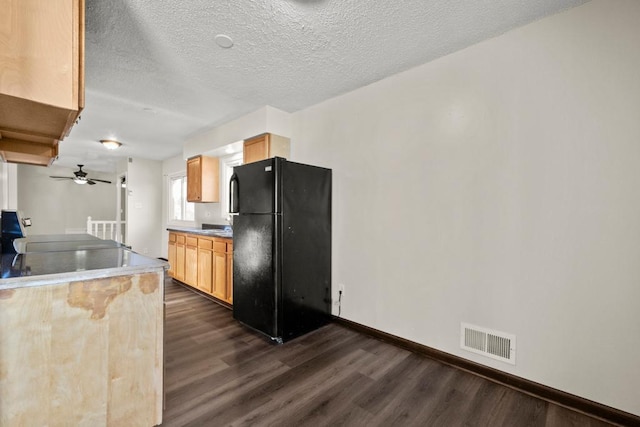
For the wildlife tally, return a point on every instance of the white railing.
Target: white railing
(105, 229)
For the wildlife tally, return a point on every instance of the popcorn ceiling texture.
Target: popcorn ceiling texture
(155, 75)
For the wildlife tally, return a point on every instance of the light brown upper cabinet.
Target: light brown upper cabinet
(265, 146)
(203, 177)
(41, 76)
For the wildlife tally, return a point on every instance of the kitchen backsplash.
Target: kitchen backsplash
(215, 226)
(209, 213)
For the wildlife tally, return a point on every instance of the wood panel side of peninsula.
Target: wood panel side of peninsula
(83, 353)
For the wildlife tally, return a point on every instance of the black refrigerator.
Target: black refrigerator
(281, 247)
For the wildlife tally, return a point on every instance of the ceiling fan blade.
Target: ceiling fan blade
(90, 182)
(61, 177)
(100, 180)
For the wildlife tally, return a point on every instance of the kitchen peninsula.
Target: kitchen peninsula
(82, 335)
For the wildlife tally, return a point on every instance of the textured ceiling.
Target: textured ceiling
(154, 74)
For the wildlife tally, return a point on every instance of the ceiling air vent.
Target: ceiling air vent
(490, 343)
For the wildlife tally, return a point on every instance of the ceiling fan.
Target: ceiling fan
(81, 177)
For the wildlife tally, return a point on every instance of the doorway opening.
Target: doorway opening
(121, 209)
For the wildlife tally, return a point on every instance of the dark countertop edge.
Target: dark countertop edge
(51, 238)
(22, 245)
(77, 276)
(198, 231)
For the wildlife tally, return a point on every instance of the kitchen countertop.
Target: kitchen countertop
(41, 268)
(209, 232)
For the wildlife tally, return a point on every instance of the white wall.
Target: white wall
(265, 119)
(209, 213)
(8, 185)
(169, 166)
(144, 206)
(58, 206)
(499, 186)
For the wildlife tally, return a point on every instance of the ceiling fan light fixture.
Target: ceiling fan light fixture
(80, 177)
(110, 144)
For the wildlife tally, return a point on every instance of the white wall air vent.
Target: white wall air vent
(490, 343)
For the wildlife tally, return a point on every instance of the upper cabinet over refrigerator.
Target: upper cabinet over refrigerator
(265, 146)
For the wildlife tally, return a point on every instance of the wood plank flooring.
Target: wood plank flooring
(218, 373)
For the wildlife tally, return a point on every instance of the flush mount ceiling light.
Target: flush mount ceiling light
(110, 144)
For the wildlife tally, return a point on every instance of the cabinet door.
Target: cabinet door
(179, 269)
(194, 179)
(220, 275)
(41, 76)
(203, 179)
(256, 148)
(172, 259)
(229, 273)
(41, 59)
(265, 146)
(205, 270)
(191, 265)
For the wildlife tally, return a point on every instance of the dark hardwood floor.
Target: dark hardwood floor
(218, 373)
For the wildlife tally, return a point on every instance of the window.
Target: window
(179, 208)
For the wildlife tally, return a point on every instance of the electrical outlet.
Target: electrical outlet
(207, 214)
(145, 250)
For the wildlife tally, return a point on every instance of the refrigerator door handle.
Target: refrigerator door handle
(233, 194)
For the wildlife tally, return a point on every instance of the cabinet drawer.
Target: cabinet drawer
(205, 243)
(192, 241)
(219, 247)
(172, 237)
(180, 238)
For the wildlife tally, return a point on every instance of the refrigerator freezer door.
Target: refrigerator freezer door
(254, 272)
(255, 187)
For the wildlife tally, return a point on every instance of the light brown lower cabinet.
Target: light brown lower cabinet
(204, 263)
